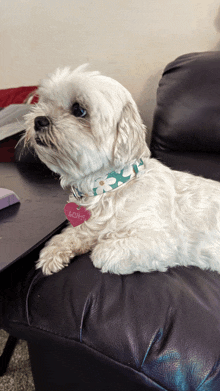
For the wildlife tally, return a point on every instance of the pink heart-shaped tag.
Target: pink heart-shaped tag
(76, 214)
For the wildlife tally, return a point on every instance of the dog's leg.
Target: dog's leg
(130, 254)
(61, 248)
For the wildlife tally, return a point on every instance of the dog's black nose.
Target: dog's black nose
(41, 123)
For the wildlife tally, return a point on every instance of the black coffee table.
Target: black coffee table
(25, 227)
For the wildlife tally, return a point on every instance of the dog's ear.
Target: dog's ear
(131, 136)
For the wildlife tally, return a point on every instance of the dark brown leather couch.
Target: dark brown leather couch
(158, 331)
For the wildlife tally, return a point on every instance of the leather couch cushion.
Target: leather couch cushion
(164, 326)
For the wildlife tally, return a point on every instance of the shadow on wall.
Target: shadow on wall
(147, 101)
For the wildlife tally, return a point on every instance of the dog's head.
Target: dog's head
(84, 122)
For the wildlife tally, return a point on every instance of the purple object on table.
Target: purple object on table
(7, 198)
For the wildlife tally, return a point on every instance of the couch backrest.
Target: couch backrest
(186, 122)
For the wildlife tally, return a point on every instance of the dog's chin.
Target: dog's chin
(43, 142)
(40, 142)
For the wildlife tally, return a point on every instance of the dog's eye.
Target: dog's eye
(78, 111)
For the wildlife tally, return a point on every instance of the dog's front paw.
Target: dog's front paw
(53, 259)
(113, 258)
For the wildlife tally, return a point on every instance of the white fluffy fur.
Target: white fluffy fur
(159, 219)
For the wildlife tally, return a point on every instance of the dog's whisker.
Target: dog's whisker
(23, 138)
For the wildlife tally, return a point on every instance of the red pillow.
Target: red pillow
(16, 95)
(8, 97)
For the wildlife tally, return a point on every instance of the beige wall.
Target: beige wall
(130, 40)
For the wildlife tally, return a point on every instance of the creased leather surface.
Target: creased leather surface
(165, 326)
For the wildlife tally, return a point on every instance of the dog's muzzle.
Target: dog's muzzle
(41, 124)
(41, 127)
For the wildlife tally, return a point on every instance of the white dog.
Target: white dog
(144, 216)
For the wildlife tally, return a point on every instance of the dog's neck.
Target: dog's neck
(110, 181)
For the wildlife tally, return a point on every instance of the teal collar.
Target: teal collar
(112, 180)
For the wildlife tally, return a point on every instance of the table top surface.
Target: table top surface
(40, 211)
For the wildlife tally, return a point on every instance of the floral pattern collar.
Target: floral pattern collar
(112, 180)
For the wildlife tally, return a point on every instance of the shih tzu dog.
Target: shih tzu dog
(143, 216)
